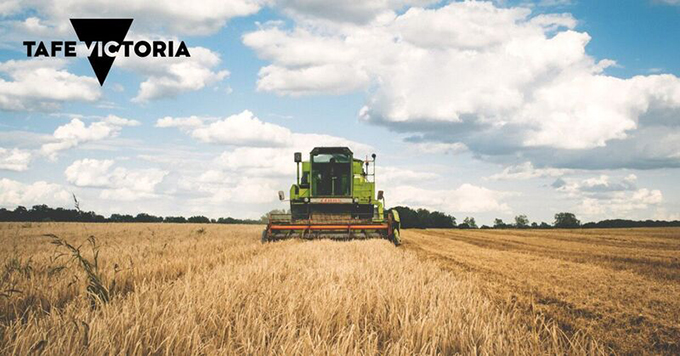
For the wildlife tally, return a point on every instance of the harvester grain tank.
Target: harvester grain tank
(334, 197)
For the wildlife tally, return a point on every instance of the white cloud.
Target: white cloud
(119, 183)
(43, 84)
(258, 161)
(173, 16)
(527, 170)
(15, 159)
(89, 173)
(169, 77)
(9, 7)
(77, 132)
(246, 189)
(440, 147)
(599, 185)
(620, 205)
(467, 198)
(13, 193)
(346, 11)
(249, 132)
(395, 176)
(181, 122)
(497, 80)
(604, 197)
(33, 26)
(243, 129)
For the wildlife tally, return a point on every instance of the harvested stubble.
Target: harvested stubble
(621, 286)
(222, 292)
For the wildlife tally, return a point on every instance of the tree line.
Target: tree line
(410, 218)
(425, 219)
(43, 213)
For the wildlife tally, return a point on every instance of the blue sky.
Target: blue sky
(484, 109)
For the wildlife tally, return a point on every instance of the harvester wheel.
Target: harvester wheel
(264, 237)
(396, 239)
(395, 225)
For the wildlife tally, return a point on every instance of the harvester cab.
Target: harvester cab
(334, 197)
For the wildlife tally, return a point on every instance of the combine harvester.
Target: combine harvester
(335, 199)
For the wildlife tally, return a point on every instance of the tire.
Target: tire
(396, 239)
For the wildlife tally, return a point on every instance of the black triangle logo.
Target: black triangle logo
(103, 31)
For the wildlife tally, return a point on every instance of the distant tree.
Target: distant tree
(175, 219)
(423, 218)
(544, 225)
(521, 222)
(566, 221)
(534, 225)
(21, 214)
(144, 217)
(440, 220)
(484, 227)
(469, 223)
(199, 219)
(499, 224)
(408, 217)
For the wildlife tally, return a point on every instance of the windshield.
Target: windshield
(331, 157)
(331, 174)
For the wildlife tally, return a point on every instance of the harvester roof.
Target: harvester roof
(322, 150)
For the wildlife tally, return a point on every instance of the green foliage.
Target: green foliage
(566, 221)
(423, 218)
(499, 224)
(96, 290)
(468, 223)
(43, 213)
(198, 220)
(521, 222)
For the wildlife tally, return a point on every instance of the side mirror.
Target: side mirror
(282, 196)
(298, 157)
(381, 195)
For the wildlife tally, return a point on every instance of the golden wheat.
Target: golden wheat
(191, 289)
(621, 286)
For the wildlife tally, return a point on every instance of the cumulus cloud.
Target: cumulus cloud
(497, 80)
(439, 147)
(173, 16)
(243, 129)
(395, 176)
(247, 190)
(595, 186)
(117, 184)
(249, 132)
(181, 122)
(43, 84)
(605, 197)
(15, 159)
(169, 77)
(77, 132)
(467, 198)
(527, 170)
(346, 11)
(254, 149)
(13, 193)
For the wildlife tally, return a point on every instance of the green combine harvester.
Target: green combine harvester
(335, 199)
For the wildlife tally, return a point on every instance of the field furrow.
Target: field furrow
(624, 296)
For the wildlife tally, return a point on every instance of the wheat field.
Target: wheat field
(162, 289)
